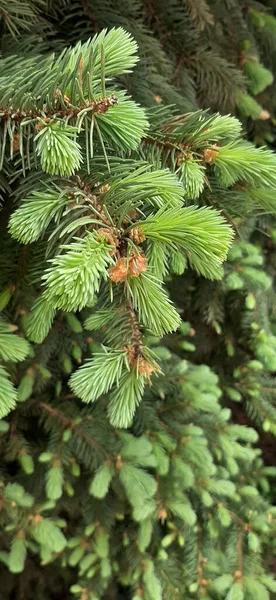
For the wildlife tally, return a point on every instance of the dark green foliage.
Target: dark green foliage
(124, 473)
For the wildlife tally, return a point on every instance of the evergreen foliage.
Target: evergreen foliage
(123, 472)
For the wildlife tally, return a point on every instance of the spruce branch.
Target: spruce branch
(151, 303)
(98, 375)
(70, 424)
(43, 116)
(12, 347)
(31, 219)
(242, 161)
(202, 233)
(57, 147)
(66, 88)
(8, 395)
(76, 275)
(134, 503)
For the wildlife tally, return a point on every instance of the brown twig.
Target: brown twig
(89, 14)
(69, 424)
(100, 106)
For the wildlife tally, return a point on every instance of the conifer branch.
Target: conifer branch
(69, 424)
(100, 106)
(146, 481)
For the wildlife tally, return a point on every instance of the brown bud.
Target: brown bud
(162, 515)
(103, 104)
(137, 235)
(131, 354)
(210, 155)
(137, 264)
(119, 463)
(118, 273)
(39, 126)
(145, 369)
(264, 115)
(180, 158)
(21, 534)
(109, 236)
(85, 543)
(104, 188)
(36, 519)
(237, 574)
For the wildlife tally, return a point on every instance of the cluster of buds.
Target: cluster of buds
(102, 105)
(145, 368)
(137, 235)
(132, 267)
(210, 154)
(110, 237)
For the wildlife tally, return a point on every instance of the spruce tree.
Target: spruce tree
(125, 336)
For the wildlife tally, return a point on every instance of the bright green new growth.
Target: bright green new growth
(240, 160)
(259, 77)
(96, 377)
(12, 349)
(202, 233)
(125, 399)
(58, 150)
(8, 394)
(74, 279)
(29, 222)
(249, 107)
(158, 315)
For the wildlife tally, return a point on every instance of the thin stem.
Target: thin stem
(100, 106)
(240, 549)
(69, 424)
